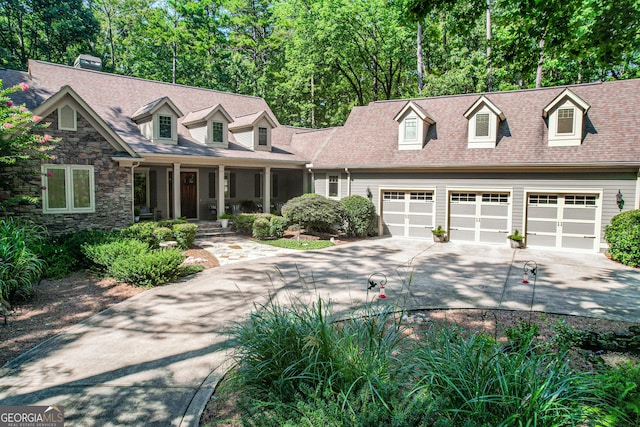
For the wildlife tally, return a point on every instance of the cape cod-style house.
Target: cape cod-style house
(555, 163)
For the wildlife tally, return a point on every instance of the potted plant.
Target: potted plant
(224, 220)
(439, 234)
(516, 239)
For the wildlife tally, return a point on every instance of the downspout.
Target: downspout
(637, 201)
(348, 181)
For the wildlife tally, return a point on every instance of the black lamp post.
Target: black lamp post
(619, 201)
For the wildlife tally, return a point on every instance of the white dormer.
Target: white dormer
(566, 119)
(413, 127)
(158, 121)
(209, 126)
(483, 120)
(253, 130)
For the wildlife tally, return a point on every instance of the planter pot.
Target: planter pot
(516, 244)
(224, 223)
(136, 219)
(440, 239)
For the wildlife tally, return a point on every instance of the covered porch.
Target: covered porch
(204, 192)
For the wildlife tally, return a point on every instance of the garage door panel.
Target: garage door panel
(542, 226)
(494, 210)
(545, 212)
(394, 218)
(463, 209)
(396, 230)
(456, 234)
(420, 231)
(587, 214)
(500, 224)
(421, 207)
(393, 206)
(407, 213)
(541, 240)
(463, 222)
(578, 228)
(423, 220)
(577, 242)
(493, 237)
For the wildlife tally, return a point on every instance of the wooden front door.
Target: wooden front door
(189, 194)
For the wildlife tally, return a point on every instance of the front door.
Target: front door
(189, 194)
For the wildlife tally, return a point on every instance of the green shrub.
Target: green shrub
(360, 215)
(623, 236)
(169, 223)
(314, 212)
(261, 228)
(151, 268)
(163, 234)
(20, 266)
(105, 255)
(185, 234)
(277, 227)
(142, 231)
(620, 386)
(243, 223)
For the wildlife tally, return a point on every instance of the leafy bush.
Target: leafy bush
(151, 268)
(163, 234)
(169, 223)
(623, 236)
(620, 385)
(360, 215)
(277, 227)
(261, 228)
(243, 223)
(185, 234)
(20, 266)
(314, 212)
(142, 231)
(105, 255)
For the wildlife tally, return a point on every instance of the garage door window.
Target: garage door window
(422, 195)
(463, 197)
(580, 200)
(495, 198)
(333, 185)
(393, 195)
(543, 199)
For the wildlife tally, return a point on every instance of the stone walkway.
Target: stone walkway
(229, 250)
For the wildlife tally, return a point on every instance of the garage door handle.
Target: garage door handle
(589, 237)
(532, 234)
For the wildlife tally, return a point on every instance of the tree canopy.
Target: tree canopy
(313, 60)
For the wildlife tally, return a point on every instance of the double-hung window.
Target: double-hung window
(217, 128)
(165, 127)
(68, 189)
(262, 136)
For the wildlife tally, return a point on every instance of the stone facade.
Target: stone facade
(113, 188)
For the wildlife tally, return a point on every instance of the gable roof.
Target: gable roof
(117, 99)
(566, 94)
(417, 109)
(612, 132)
(205, 114)
(250, 120)
(153, 106)
(483, 100)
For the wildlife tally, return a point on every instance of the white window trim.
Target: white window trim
(565, 139)
(224, 127)
(145, 171)
(69, 189)
(488, 141)
(156, 128)
(329, 182)
(75, 118)
(406, 122)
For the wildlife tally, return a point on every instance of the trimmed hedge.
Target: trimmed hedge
(261, 228)
(243, 223)
(149, 269)
(361, 215)
(623, 236)
(277, 226)
(314, 212)
(185, 234)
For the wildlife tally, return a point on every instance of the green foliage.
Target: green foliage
(142, 231)
(314, 212)
(243, 223)
(169, 223)
(277, 227)
(20, 266)
(20, 146)
(524, 335)
(163, 234)
(439, 231)
(105, 255)
(516, 236)
(620, 385)
(360, 215)
(149, 268)
(623, 236)
(261, 228)
(185, 234)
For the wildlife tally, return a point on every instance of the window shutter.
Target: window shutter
(67, 118)
(232, 185)
(274, 185)
(212, 185)
(257, 190)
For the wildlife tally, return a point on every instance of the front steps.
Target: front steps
(211, 229)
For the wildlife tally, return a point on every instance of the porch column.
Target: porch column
(176, 191)
(220, 190)
(266, 202)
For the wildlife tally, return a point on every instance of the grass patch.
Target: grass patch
(298, 244)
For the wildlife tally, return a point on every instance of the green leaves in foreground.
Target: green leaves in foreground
(298, 366)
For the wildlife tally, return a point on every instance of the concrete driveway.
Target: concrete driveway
(155, 359)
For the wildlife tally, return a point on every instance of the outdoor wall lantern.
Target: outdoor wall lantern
(619, 201)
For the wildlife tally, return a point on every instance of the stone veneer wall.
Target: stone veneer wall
(113, 191)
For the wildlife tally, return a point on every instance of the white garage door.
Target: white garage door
(408, 213)
(563, 221)
(479, 216)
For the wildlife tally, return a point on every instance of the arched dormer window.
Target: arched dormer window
(483, 121)
(413, 124)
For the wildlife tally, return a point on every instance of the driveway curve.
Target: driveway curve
(156, 358)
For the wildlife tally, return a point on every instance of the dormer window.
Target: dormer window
(262, 136)
(566, 119)
(413, 124)
(217, 132)
(157, 121)
(484, 119)
(165, 127)
(410, 129)
(67, 118)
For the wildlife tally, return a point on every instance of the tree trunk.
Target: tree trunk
(489, 69)
(313, 103)
(419, 58)
(540, 62)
